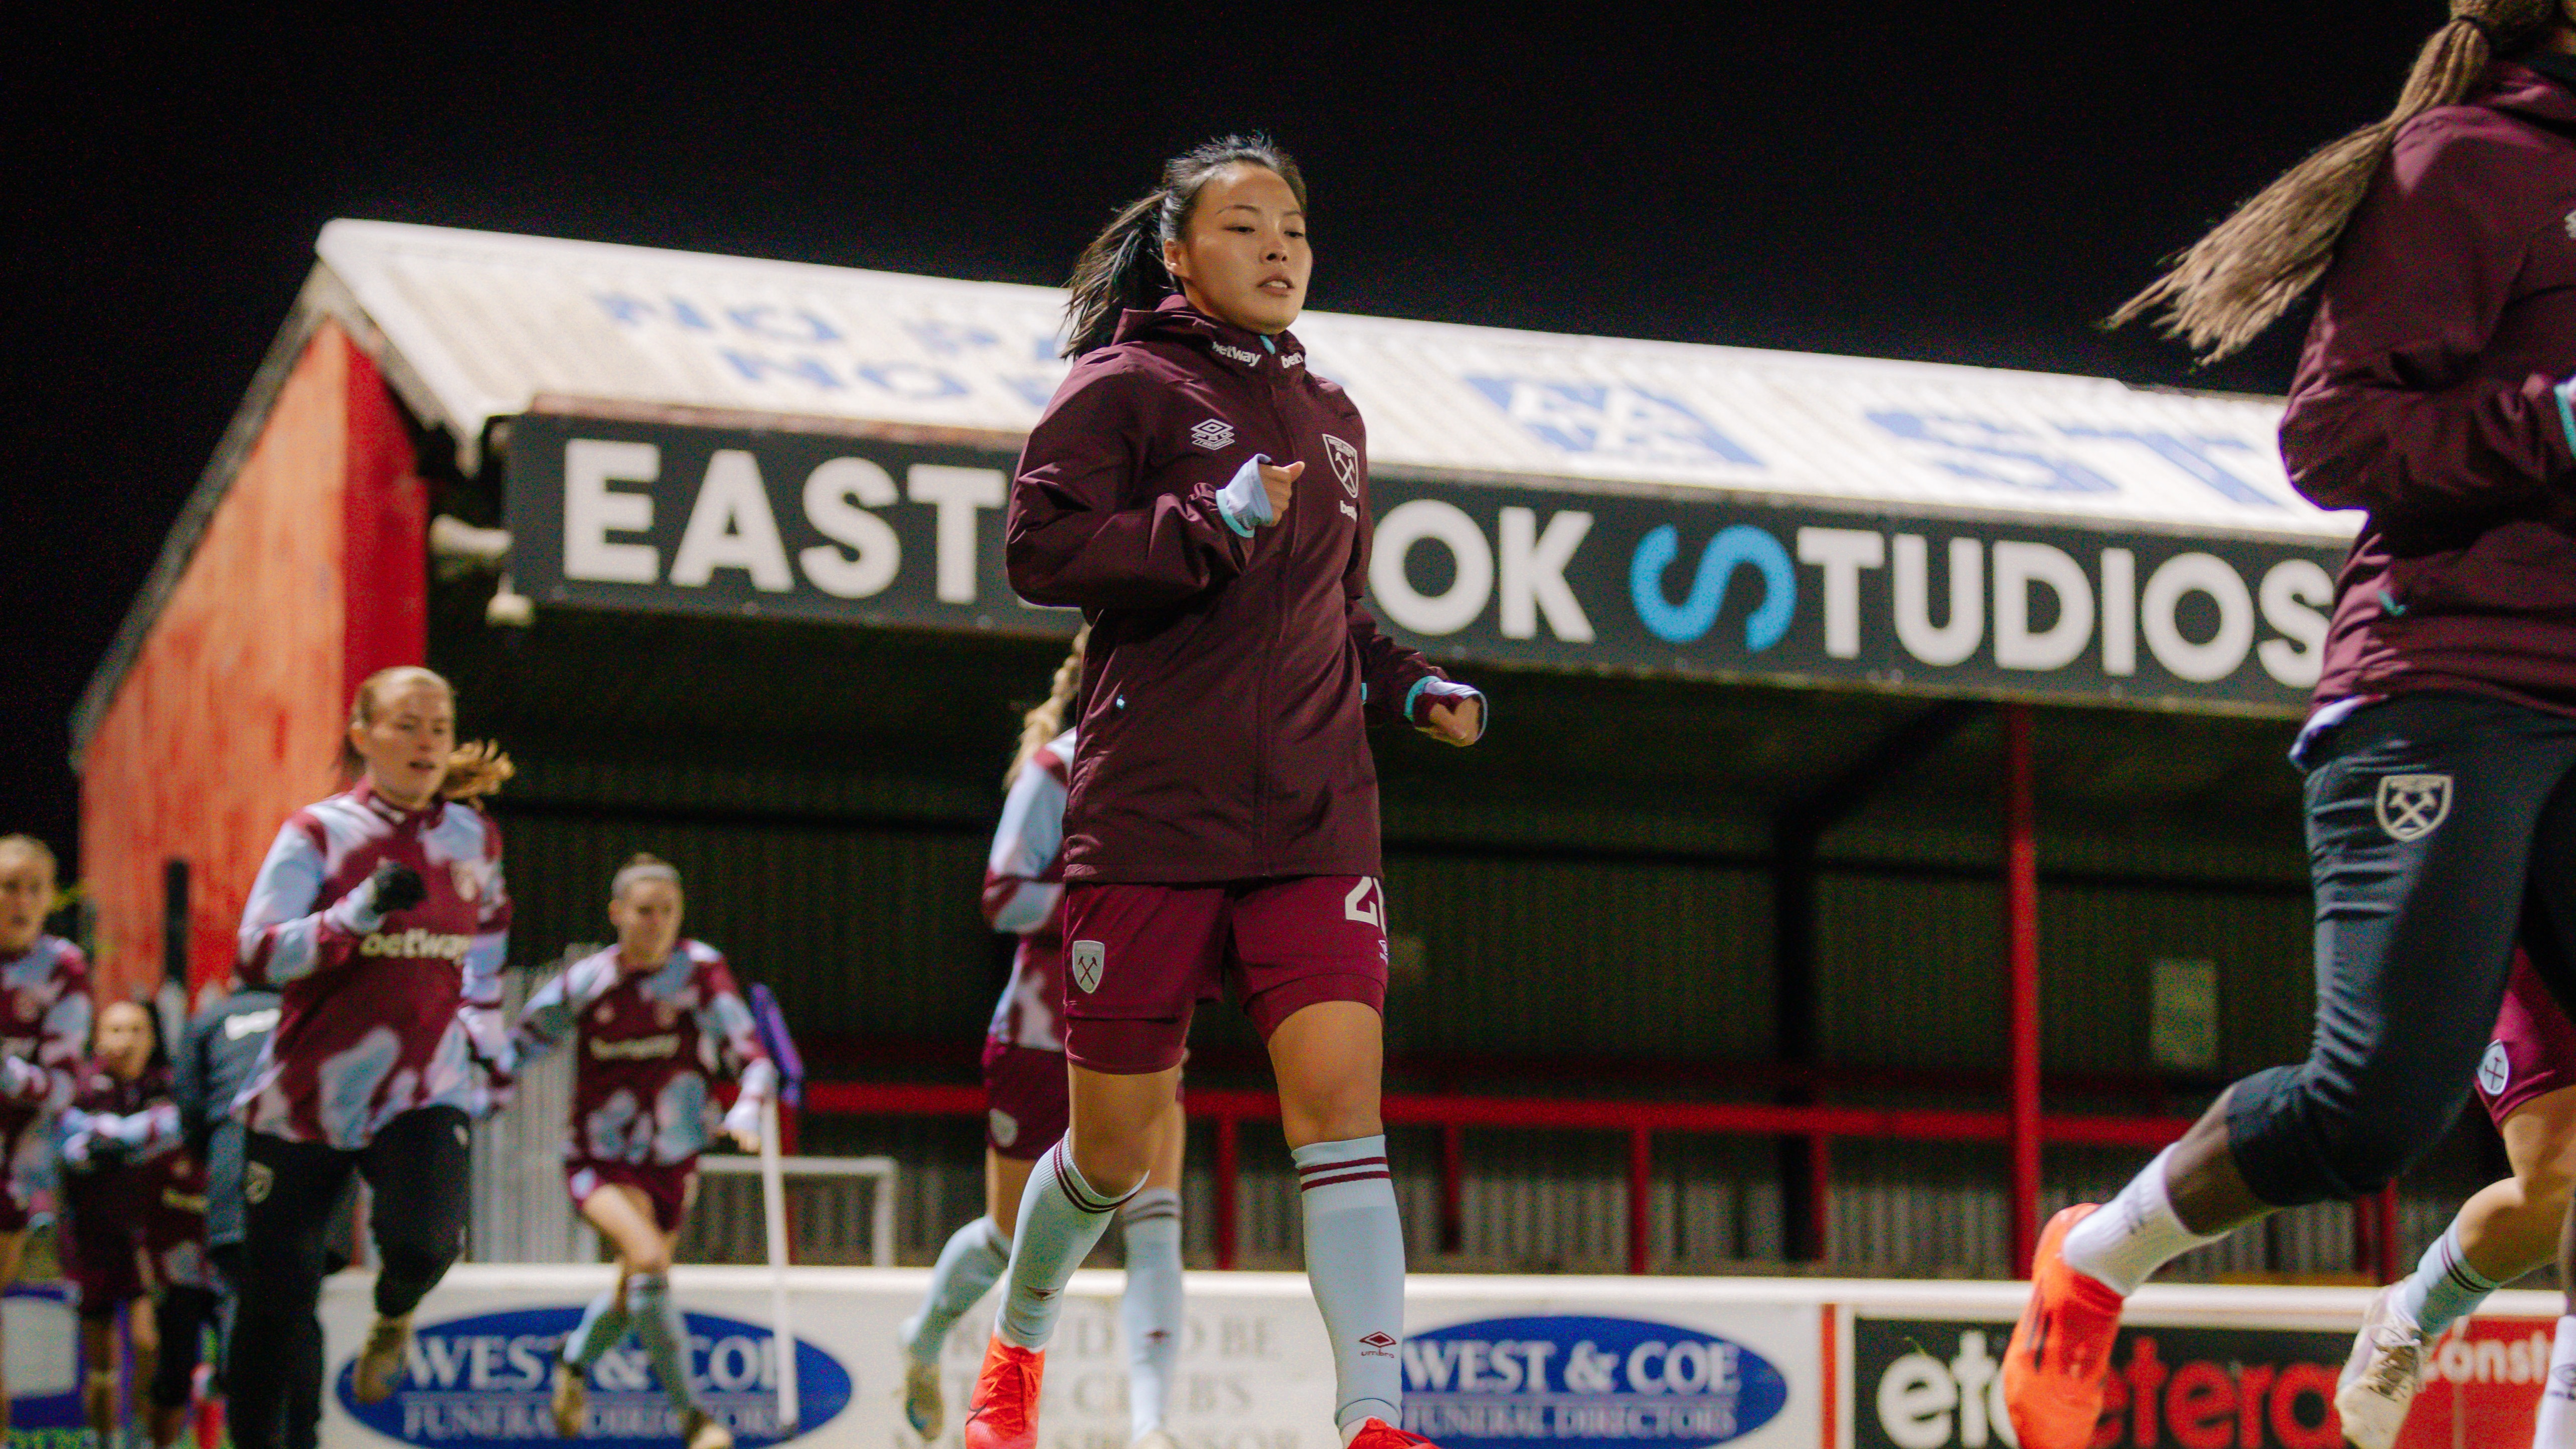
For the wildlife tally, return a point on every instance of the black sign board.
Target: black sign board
(642, 516)
(1934, 1384)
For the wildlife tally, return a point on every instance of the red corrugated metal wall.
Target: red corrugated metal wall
(311, 574)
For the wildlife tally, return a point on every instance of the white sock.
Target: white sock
(2123, 1242)
(2443, 1288)
(968, 1267)
(602, 1327)
(1150, 1310)
(656, 1319)
(1355, 1260)
(1061, 1219)
(2556, 1426)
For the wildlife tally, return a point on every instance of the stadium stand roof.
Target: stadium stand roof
(481, 327)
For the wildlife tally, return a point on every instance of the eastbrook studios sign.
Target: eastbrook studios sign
(661, 518)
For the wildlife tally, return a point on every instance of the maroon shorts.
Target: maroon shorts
(1139, 958)
(669, 1186)
(2534, 1051)
(102, 1252)
(1025, 1099)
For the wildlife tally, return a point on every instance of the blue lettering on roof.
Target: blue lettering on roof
(1992, 453)
(1611, 418)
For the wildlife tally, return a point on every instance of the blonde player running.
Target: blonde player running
(655, 1018)
(1024, 1089)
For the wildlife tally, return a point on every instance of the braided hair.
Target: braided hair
(1046, 721)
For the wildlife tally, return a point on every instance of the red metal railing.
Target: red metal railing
(1227, 1109)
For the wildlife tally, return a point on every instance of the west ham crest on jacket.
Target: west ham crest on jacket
(1346, 463)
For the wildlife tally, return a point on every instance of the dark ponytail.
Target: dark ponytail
(1122, 269)
(2239, 279)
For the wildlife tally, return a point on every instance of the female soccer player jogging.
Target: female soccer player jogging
(1204, 499)
(46, 1017)
(1024, 1094)
(120, 1123)
(2434, 393)
(381, 918)
(655, 1017)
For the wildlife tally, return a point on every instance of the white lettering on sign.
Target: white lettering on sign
(1428, 520)
(838, 496)
(2119, 612)
(2201, 573)
(1842, 553)
(2017, 567)
(1533, 574)
(1921, 1400)
(593, 510)
(2293, 591)
(958, 492)
(731, 527)
(1954, 641)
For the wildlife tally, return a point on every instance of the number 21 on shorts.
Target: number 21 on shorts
(1366, 903)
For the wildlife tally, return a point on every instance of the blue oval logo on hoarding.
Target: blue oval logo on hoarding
(487, 1382)
(1585, 1383)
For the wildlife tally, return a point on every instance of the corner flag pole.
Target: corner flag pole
(773, 1193)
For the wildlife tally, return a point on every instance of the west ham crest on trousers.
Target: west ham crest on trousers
(2410, 806)
(1346, 463)
(1086, 958)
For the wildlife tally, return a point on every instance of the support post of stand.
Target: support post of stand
(2021, 954)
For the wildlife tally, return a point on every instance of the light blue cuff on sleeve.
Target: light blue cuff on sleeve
(1243, 503)
(2567, 411)
(1452, 690)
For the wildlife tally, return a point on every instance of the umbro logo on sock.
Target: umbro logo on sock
(1042, 1294)
(1379, 1345)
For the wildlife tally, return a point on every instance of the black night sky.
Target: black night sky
(1972, 183)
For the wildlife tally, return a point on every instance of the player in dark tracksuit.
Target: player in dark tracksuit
(2434, 394)
(217, 1058)
(1204, 499)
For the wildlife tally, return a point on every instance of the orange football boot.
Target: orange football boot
(1004, 1412)
(2061, 1348)
(1379, 1434)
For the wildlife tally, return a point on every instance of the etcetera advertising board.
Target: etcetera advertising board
(659, 518)
(1581, 1363)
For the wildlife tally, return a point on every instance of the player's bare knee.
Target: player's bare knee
(2548, 1182)
(1114, 1166)
(1334, 1114)
(652, 1260)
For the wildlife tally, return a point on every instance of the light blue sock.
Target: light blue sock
(1355, 1260)
(602, 1327)
(968, 1267)
(2443, 1288)
(656, 1318)
(1061, 1219)
(1150, 1310)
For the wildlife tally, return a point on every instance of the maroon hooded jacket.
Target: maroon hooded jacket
(1221, 730)
(2432, 394)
